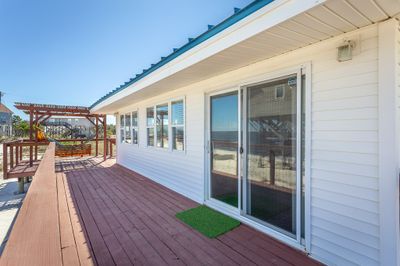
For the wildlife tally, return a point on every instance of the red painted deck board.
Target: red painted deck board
(135, 218)
(109, 215)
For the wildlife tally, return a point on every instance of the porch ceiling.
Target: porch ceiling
(329, 19)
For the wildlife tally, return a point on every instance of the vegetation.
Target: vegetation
(20, 126)
(111, 131)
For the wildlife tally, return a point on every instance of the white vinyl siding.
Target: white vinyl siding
(344, 145)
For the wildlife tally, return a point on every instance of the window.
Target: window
(279, 92)
(150, 126)
(162, 125)
(177, 125)
(166, 125)
(122, 126)
(135, 130)
(128, 137)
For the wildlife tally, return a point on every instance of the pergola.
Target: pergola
(39, 113)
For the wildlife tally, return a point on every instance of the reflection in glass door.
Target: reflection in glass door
(272, 176)
(224, 148)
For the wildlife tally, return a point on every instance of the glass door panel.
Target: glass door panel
(271, 137)
(224, 148)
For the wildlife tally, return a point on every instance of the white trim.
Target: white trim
(307, 160)
(388, 140)
(243, 209)
(298, 155)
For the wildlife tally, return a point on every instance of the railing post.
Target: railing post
(11, 156)
(16, 155)
(20, 152)
(105, 137)
(5, 166)
(111, 151)
(30, 154)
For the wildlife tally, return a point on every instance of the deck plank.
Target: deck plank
(152, 237)
(119, 181)
(35, 238)
(68, 247)
(100, 250)
(143, 203)
(110, 215)
(83, 246)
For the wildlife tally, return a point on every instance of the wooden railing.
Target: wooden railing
(15, 151)
(35, 237)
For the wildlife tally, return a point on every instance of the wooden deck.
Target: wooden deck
(23, 169)
(109, 215)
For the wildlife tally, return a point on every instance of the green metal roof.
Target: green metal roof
(238, 15)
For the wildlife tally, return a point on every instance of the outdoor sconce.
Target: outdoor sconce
(345, 51)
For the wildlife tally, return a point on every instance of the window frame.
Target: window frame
(277, 87)
(136, 127)
(122, 125)
(130, 127)
(122, 128)
(183, 125)
(153, 126)
(169, 103)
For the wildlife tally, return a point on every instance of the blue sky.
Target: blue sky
(74, 51)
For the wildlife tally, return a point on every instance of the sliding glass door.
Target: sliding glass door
(256, 152)
(224, 147)
(272, 173)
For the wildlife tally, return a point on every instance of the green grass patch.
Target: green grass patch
(207, 221)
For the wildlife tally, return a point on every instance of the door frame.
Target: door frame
(303, 69)
(207, 190)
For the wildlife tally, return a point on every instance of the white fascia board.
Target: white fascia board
(261, 20)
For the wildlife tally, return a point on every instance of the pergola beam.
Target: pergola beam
(37, 112)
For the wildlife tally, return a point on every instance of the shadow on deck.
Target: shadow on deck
(109, 215)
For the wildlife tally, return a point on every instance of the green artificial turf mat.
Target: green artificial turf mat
(207, 221)
(231, 199)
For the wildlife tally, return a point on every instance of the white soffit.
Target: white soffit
(332, 18)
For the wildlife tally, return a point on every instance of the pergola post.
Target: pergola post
(31, 135)
(97, 135)
(105, 137)
(36, 135)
